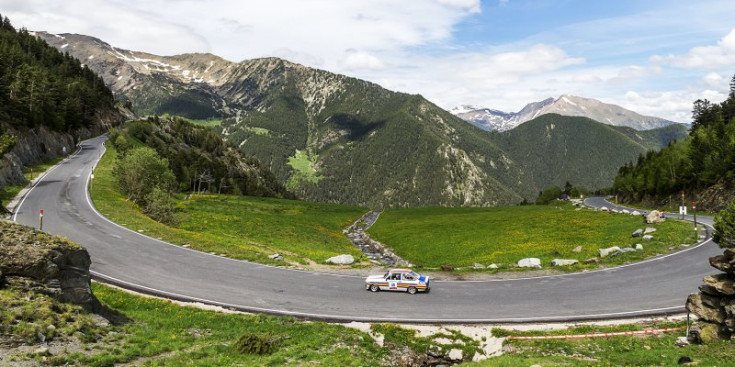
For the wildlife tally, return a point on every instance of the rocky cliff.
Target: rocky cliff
(36, 145)
(715, 302)
(35, 261)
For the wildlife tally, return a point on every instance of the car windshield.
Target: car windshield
(414, 274)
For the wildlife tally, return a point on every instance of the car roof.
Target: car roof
(400, 270)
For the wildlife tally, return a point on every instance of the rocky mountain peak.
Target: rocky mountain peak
(566, 105)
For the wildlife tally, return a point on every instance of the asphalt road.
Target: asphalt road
(131, 260)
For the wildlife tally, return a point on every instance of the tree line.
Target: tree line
(705, 158)
(41, 86)
(161, 156)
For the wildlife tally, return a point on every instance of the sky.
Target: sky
(652, 56)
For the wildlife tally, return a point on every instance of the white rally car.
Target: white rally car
(398, 280)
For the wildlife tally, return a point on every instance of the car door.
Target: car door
(393, 282)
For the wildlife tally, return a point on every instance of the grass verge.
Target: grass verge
(246, 228)
(648, 350)
(431, 237)
(164, 334)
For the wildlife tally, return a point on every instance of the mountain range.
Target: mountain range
(566, 105)
(333, 138)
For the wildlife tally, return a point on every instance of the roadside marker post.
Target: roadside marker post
(694, 211)
(40, 220)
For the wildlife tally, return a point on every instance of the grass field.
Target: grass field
(240, 227)
(161, 333)
(164, 334)
(652, 350)
(432, 237)
(211, 122)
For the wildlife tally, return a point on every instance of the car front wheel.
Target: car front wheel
(412, 290)
(374, 288)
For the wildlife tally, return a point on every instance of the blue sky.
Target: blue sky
(652, 56)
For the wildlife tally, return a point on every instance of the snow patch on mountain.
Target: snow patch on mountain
(567, 105)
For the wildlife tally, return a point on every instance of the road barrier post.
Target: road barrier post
(40, 220)
(694, 209)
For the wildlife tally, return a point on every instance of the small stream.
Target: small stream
(374, 250)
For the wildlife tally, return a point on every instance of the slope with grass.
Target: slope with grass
(247, 228)
(460, 237)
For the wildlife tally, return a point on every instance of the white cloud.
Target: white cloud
(244, 29)
(357, 60)
(674, 105)
(703, 57)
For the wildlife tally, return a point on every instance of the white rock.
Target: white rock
(563, 262)
(625, 211)
(682, 341)
(604, 209)
(638, 247)
(529, 262)
(577, 249)
(492, 266)
(276, 257)
(341, 260)
(636, 213)
(478, 266)
(455, 354)
(647, 237)
(649, 230)
(605, 252)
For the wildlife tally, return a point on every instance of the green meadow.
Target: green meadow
(240, 227)
(431, 237)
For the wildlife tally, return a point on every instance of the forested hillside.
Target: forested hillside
(554, 149)
(702, 166)
(48, 101)
(199, 159)
(41, 86)
(332, 138)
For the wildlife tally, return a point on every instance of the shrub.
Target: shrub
(260, 344)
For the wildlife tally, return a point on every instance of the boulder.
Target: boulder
(654, 216)
(564, 262)
(724, 262)
(638, 233)
(682, 341)
(706, 333)
(529, 262)
(638, 247)
(455, 354)
(647, 237)
(636, 213)
(707, 307)
(492, 266)
(718, 285)
(592, 260)
(341, 260)
(46, 264)
(625, 211)
(610, 251)
(577, 249)
(276, 257)
(649, 230)
(604, 209)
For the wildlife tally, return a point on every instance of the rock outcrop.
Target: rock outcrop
(35, 261)
(714, 305)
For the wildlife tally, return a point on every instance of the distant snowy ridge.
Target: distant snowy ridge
(610, 114)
